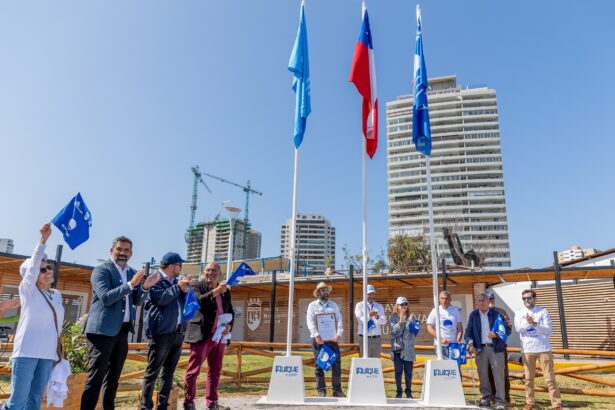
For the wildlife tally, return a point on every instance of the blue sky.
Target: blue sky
(118, 99)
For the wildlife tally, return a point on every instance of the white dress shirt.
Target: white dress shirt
(484, 327)
(124, 276)
(534, 339)
(380, 320)
(316, 308)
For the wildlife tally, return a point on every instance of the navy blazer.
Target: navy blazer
(109, 295)
(165, 303)
(473, 330)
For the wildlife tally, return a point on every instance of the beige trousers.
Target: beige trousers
(546, 362)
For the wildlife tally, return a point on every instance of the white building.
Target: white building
(575, 252)
(315, 242)
(6, 245)
(466, 170)
(209, 242)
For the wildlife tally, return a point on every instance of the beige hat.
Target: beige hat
(321, 285)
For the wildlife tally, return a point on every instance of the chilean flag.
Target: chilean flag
(363, 76)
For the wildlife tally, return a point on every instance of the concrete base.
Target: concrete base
(286, 385)
(366, 382)
(330, 402)
(442, 384)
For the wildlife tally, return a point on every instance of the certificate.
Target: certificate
(326, 326)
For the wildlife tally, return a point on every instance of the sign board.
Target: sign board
(442, 376)
(366, 384)
(286, 385)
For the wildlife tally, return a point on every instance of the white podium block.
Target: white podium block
(286, 385)
(366, 384)
(442, 384)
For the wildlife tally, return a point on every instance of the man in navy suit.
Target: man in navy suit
(117, 289)
(489, 350)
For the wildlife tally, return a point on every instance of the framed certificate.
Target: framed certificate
(326, 326)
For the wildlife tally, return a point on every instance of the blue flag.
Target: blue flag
(421, 131)
(500, 329)
(414, 327)
(242, 270)
(457, 351)
(191, 305)
(299, 65)
(74, 221)
(326, 358)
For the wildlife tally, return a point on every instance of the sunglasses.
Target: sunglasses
(403, 304)
(47, 269)
(528, 298)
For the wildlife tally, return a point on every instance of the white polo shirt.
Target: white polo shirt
(449, 318)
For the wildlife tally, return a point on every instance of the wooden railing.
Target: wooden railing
(262, 375)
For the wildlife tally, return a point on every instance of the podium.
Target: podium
(442, 384)
(366, 384)
(286, 385)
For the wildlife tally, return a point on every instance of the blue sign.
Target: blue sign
(370, 371)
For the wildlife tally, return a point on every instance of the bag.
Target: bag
(59, 347)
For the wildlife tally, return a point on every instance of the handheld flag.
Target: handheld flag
(414, 327)
(457, 351)
(421, 131)
(299, 65)
(371, 324)
(363, 76)
(499, 328)
(326, 358)
(191, 305)
(242, 270)
(74, 221)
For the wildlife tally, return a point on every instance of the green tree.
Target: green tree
(409, 253)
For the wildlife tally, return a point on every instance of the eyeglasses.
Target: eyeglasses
(528, 298)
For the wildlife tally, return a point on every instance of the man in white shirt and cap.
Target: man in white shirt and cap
(534, 326)
(375, 319)
(322, 305)
(451, 329)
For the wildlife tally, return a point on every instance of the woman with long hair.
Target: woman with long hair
(402, 345)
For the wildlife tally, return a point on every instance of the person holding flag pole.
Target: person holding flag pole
(421, 137)
(287, 383)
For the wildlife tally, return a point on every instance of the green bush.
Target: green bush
(75, 346)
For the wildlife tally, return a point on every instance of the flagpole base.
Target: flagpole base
(366, 384)
(442, 376)
(286, 385)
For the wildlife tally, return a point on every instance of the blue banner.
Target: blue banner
(191, 305)
(326, 358)
(74, 221)
(242, 270)
(421, 130)
(414, 327)
(457, 351)
(299, 65)
(500, 329)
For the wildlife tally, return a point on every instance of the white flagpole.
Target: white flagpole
(364, 252)
(434, 261)
(291, 286)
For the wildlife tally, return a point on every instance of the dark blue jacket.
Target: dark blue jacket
(473, 330)
(109, 295)
(166, 301)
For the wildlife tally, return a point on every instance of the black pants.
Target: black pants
(405, 367)
(164, 352)
(336, 368)
(107, 355)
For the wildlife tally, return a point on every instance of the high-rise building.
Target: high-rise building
(466, 171)
(6, 245)
(209, 242)
(315, 242)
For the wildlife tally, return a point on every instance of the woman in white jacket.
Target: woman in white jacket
(36, 342)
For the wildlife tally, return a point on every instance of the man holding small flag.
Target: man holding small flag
(489, 349)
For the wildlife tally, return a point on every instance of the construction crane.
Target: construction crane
(198, 177)
(248, 190)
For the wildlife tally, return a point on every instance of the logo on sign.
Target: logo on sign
(254, 314)
(287, 370)
(371, 372)
(445, 373)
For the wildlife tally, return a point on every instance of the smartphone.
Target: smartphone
(146, 267)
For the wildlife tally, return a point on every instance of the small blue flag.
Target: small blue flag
(457, 351)
(191, 305)
(299, 65)
(371, 324)
(414, 327)
(421, 131)
(242, 270)
(74, 221)
(326, 358)
(500, 329)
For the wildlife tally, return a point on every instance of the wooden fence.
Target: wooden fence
(239, 377)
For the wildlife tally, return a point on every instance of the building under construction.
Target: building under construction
(209, 241)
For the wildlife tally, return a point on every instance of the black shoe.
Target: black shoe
(189, 406)
(338, 393)
(322, 393)
(399, 396)
(217, 406)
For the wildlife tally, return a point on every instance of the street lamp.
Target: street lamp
(232, 212)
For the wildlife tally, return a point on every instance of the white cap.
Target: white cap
(401, 300)
(371, 289)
